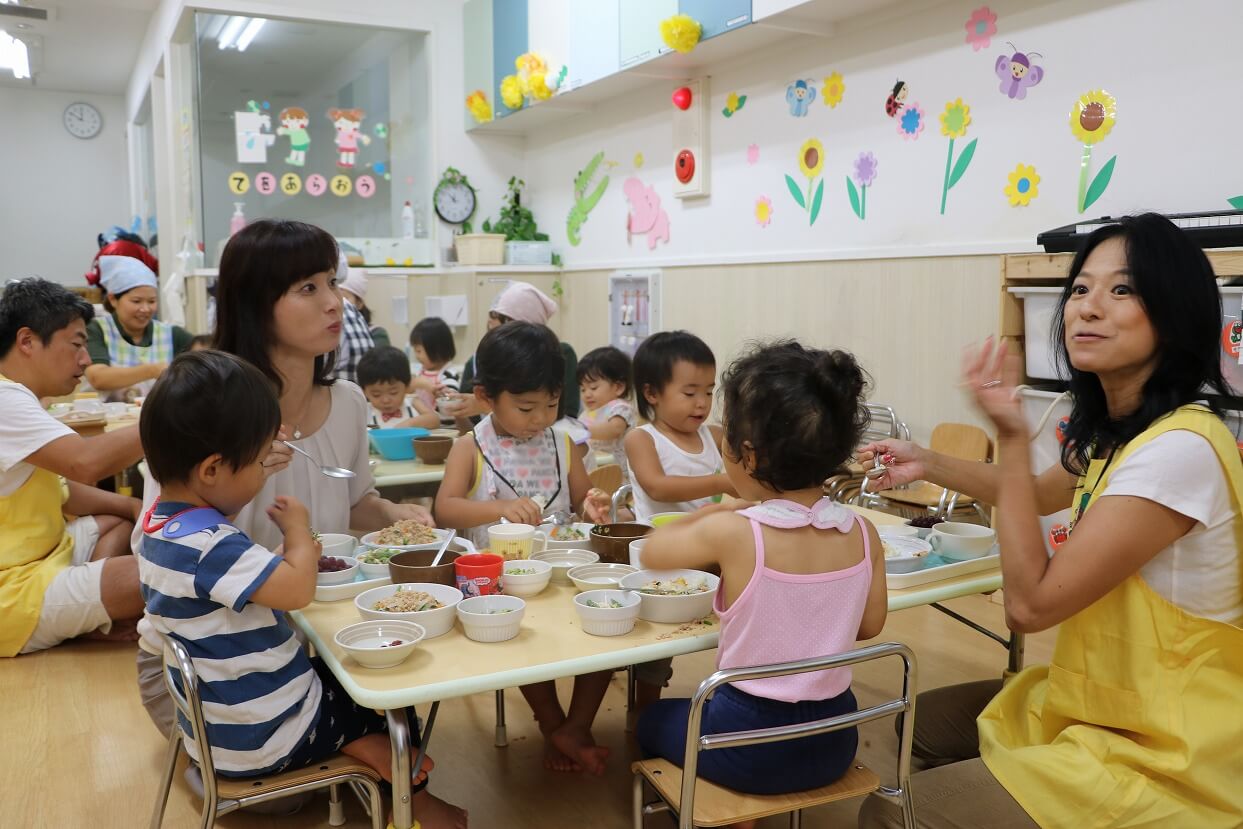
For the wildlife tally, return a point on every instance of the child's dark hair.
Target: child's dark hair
(800, 412)
(520, 357)
(207, 403)
(436, 338)
(655, 358)
(609, 364)
(383, 364)
(201, 341)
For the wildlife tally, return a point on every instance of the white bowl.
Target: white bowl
(339, 576)
(570, 544)
(337, 544)
(599, 576)
(525, 584)
(436, 622)
(369, 540)
(607, 621)
(367, 642)
(636, 553)
(905, 554)
(374, 571)
(494, 618)
(897, 530)
(563, 561)
(673, 609)
(958, 541)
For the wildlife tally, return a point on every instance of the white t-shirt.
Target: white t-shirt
(25, 428)
(676, 462)
(1199, 572)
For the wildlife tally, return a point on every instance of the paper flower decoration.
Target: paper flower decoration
(511, 92)
(1092, 117)
(810, 162)
(865, 174)
(680, 32)
(1023, 185)
(480, 109)
(538, 88)
(954, 123)
(733, 103)
(865, 169)
(811, 158)
(763, 211)
(638, 160)
(911, 121)
(528, 63)
(981, 26)
(834, 89)
(753, 153)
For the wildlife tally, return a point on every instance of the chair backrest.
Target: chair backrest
(607, 477)
(960, 440)
(188, 703)
(903, 705)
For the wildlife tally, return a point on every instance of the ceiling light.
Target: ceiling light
(14, 55)
(248, 34)
(232, 28)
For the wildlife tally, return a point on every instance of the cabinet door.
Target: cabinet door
(640, 28)
(717, 16)
(509, 40)
(595, 47)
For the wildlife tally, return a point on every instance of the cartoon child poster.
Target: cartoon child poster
(348, 124)
(294, 123)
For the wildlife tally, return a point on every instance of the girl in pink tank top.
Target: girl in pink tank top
(801, 576)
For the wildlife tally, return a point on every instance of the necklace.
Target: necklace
(297, 429)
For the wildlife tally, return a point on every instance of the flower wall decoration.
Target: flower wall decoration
(763, 211)
(865, 174)
(911, 121)
(753, 154)
(1023, 185)
(981, 26)
(1092, 118)
(954, 123)
(834, 89)
(680, 32)
(533, 79)
(478, 106)
(810, 163)
(733, 103)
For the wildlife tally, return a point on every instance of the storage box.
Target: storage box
(480, 248)
(1231, 314)
(528, 253)
(1039, 306)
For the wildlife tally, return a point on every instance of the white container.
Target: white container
(370, 643)
(528, 253)
(515, 541)
(570, 543)
(958, 541)
(525, 584)
(636, 552)
(673, 609)
(480, 248)
(600, 576)
(338, 576)
(337, 544)
(563, 561)
(1046, 450)
(606, 620)
(1039, 307)
(1231, 313)
(495, 618)
(377, 570)
(435, 622)
(904, 553)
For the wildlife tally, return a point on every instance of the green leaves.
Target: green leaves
(1236, 202)
(816, 200)
(963, 162)
(1097, 188)
(796, 192)
(854, 197)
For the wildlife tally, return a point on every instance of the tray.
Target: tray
(338, 592)
(940, 569)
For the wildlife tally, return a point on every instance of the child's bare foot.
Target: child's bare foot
(577, 743)
(123, 631)
(434, 813)
(554, 758)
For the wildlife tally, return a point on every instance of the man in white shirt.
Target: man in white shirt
(58, 579)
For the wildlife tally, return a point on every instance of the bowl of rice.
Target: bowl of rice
(406, 534)
(673, 596)
(431, 605)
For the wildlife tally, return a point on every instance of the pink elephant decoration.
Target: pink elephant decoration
(645, 213)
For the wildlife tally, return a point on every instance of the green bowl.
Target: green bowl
(660, 519)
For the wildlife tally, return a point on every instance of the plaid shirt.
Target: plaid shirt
(355, 342)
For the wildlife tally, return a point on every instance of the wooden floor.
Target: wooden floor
(80, 751)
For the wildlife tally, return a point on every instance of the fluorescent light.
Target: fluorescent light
(232, 28)
(14, 55)
(248, 34)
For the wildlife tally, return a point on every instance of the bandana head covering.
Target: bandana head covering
(523, 301)
(118, 274)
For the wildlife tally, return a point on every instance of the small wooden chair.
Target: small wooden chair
(718, 806)
(222, 795)
(958, 440)
(607, 477)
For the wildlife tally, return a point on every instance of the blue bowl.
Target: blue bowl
(395, 444)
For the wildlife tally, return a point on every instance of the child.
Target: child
(294, 123)
(384, 374)
(206, 427)
(200, 342)
(515, 465)
(431, 339)
(801, 576)
(604, 385)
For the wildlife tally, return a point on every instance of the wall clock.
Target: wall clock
(82, 120)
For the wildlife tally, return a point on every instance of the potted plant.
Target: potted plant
(524, 244)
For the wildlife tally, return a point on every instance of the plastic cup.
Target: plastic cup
(479, 574)
(513, 541)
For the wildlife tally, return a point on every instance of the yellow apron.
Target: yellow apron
(1135, 722)
(34, 547)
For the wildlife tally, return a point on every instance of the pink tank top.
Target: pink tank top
(784, 617)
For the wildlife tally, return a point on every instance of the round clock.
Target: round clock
(454, 198)
(83, 120)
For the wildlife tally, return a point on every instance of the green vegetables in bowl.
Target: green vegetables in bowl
(380, 556)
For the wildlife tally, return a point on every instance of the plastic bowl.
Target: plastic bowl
(367, 642)
(369, 541)
(337, 544)
(525, 584)
(395, 444)
(600, 576)
(432, 450)
(612, 541)
(605, 620)
(660, 519)
(563, 561)
(494, 618)
(339, 576)
(673, 609)
(568, 544)
(436, 622)
(908, 553)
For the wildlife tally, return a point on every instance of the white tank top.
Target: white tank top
(676, 462)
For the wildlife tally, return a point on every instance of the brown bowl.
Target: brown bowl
(415, 566)
(611, 542)
(432, 449)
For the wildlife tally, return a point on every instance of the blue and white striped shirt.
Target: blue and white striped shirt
(260, 694)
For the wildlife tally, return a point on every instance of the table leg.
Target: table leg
(632, 715)
(501, 740)
(399, 741)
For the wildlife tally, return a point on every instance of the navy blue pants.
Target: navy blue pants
(774, 768)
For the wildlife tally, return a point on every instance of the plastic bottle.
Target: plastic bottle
(238, 221)
(420, 222)
(407, 221)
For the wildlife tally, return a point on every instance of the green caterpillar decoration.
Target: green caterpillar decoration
(584, 203)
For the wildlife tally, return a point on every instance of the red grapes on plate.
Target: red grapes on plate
(926, 521)
(332, 564)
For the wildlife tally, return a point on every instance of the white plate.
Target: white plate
(369, 540)
(340, 592)
(929, 575)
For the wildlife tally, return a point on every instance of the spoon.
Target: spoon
(877, 471)
(330, 471)
(444, 545)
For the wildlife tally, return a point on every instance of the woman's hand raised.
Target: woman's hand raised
(991, 375)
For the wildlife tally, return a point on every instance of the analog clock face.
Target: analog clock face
(83, 120)
(455, 203)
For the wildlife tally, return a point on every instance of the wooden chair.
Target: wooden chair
(222, 795)
(958, 440)
(718, 806)
(607, 478)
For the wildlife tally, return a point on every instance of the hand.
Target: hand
(463, 405)
(991, 375)
(154, 370)
(278, 456)
(597, 506)
(521, 511)
(904, 459)
(425, 384)
(398, 512)
(289, 513)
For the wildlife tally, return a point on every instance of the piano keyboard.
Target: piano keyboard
(1185, 222)
(1211, 229)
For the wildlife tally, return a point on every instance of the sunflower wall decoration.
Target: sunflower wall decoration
(834, 89)
(1092, 117)
(1023, 185)
(865, 174)
(811, 163)
(954, 123)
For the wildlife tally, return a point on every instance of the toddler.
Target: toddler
(384, 374)
(801, 576)
(604, 386)
(431, 340)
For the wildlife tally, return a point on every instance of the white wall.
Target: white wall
(59, 191)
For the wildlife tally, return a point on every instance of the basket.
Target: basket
(528, 253)
(480, 248)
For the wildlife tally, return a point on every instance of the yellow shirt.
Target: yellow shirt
(34, 547)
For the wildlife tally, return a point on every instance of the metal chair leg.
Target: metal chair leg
(632, 700)
(336, 810)
(166, 782)
(501, 739)
(637, 796)
(796, 819)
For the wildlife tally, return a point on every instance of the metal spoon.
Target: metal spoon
(444, 545)
(877, 471)
(330, 471)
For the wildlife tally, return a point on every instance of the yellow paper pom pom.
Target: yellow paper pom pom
(530, 63)
(477, 104)
(538, 85)
(680, 32)
(511, 92)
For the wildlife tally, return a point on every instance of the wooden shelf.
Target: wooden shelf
(1028, 267)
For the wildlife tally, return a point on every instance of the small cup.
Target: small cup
(959, 541)
(512, 541)
(479, 574)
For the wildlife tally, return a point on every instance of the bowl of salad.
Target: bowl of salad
(607, 612)
(567, 536)
(374, 562)
(494, 618)
(673, 596)
(434, 606)
(525, 577)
